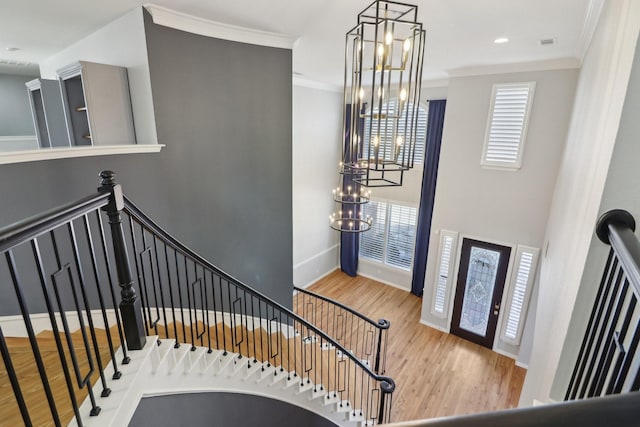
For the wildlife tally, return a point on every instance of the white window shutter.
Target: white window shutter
(444, 273)
(507, 125)
(519, 293)
(372, 241)
(401, 237)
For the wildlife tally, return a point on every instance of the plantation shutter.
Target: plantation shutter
(444, 272)
(506, 130)
(519, 293)
(372, 241)
(402, 236)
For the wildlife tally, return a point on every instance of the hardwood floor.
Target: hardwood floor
(436, 374)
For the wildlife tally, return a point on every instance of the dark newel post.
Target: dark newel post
(385, 392)
(130, 307)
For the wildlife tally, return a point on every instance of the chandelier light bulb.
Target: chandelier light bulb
(361, 93)
(407, 45)
(388, 38)
(399, 141)
(380, 50)
(376, 141)
(403, 95)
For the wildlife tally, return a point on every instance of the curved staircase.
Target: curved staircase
(181, 326)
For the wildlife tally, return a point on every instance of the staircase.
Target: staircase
(181, 325)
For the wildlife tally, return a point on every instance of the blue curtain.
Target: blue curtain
(350, 242)
(432, 156)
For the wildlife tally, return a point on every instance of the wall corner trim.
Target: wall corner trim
(594, 9)
(205, 27)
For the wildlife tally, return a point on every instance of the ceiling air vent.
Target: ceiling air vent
(547, 42)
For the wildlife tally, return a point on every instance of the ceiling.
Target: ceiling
(460, 33)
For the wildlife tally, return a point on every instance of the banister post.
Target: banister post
(130, 307)
(386, 388)
(383, 326)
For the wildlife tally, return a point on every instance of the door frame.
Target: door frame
(507, 286)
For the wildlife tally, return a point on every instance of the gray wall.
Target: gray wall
(222, 409)
(222, 184)
(621, 191)
(15, 111)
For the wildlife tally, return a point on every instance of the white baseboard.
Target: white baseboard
(386, 282)
(14, 326)
(316, 267)
(522, 365)
(431, 325)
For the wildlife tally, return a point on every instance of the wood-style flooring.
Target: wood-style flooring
(436, 374)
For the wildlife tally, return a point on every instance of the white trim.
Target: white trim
(434, 326)
(70, 152)
(594, 9)
(551, 64)
(522, 365)
(426, 84)
(384, 282)
(314, 84)
(311, 282)
(318, 255)
(205, 27)
(314, 268)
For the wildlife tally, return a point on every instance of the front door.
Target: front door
(481, 278)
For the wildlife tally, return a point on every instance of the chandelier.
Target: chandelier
(384, 56)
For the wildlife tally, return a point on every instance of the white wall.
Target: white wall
(620, 192)
(317, 126)
(599, 98)
(122, 43)
(503, 207)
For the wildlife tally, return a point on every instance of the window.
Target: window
(392, 237)
(386, 141)
(445, 264)
(507, 126)
(519, 293)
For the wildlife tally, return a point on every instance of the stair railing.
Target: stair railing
(60, 262)
(186, 298)
(64, 263)
(608, 358)
(362, 336)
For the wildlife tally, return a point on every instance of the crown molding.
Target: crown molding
(594, 9)
(205, 27)
(520, 67)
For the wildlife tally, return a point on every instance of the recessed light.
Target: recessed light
(501, 40)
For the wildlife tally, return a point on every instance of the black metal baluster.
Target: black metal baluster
(253, 325)
(145, 284)
(107, 263)
(597, 356)
(215, 309)
(173, 305)
(15, 383)
(116, 373)
(158, 276)
(206, 299)
(610, 341)
(106, 391)
(32, 337)
(186, 281)
(54, 327)
(184, 331)
(596, 314)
